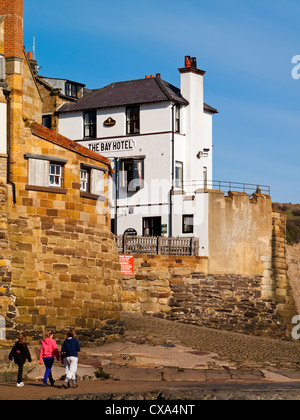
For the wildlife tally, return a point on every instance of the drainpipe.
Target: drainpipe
(117, 169)
(6, 92)
(173, 171)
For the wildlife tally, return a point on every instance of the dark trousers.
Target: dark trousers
(20, 373)
(48, 361)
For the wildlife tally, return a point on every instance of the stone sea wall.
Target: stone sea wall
(181, 289)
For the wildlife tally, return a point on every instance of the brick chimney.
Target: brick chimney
(13, 37)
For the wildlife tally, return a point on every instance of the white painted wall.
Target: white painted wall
(118, 114)
(156, 118)
(71, 125)
(155, 144)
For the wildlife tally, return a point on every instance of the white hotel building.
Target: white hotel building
(159, 139)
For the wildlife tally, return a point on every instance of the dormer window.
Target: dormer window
(73, 90)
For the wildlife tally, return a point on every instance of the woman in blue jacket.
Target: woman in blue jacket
(69, 356)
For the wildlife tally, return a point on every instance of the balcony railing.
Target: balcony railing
(152, 245)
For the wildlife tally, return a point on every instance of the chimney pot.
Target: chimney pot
(194, 62)
(147, 77)
(30, 55)
(158, 75)
(188, 61)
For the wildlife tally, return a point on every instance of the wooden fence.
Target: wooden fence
(157, 245)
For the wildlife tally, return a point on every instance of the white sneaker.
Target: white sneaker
(20, 385)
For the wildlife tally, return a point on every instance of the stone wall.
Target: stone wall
(32, 103)
(7, 301)
(64, 269)
(240, 233)
(3, 168)
(221, 293)
(293, 261)
(181, 289)
(59, 266)
(52, 100)
(149, 290)
(227, 302)
(283, 290)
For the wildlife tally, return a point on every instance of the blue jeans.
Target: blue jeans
(48, 361)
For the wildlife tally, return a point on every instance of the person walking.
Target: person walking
(69, 355)
(20, 354)
(48, 351)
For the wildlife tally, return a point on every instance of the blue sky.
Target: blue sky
(246, 47)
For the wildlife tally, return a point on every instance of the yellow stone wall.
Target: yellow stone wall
(60, 267)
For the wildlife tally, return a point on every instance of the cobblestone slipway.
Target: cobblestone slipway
(159, 359)
(244, 350)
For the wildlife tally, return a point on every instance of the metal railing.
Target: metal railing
(152, 245)
(226, 186)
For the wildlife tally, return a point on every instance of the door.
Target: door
(152, 226)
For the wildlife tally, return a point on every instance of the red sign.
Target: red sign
(127, 266)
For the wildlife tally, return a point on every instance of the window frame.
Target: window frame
(48, 118)
(177, 119)
(87, 181)
(90, 126)
(190, 230)
(39, 173)
(60, 175)
(178, 180)
(133, 119)
(95, 175)
(132, 183)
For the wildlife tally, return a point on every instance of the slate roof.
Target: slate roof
(132, 92)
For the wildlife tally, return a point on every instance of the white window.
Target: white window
(84, 180)
(188, 223)
(179, 175)
(45, 172)
(177, 119)
(55, 175)
(92, 180)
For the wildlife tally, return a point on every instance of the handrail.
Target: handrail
(228, 186)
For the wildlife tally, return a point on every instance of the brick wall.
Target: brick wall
(13, 11)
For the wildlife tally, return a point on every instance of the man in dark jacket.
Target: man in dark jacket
(69, 355)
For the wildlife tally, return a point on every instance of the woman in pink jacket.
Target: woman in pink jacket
(48, 351)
